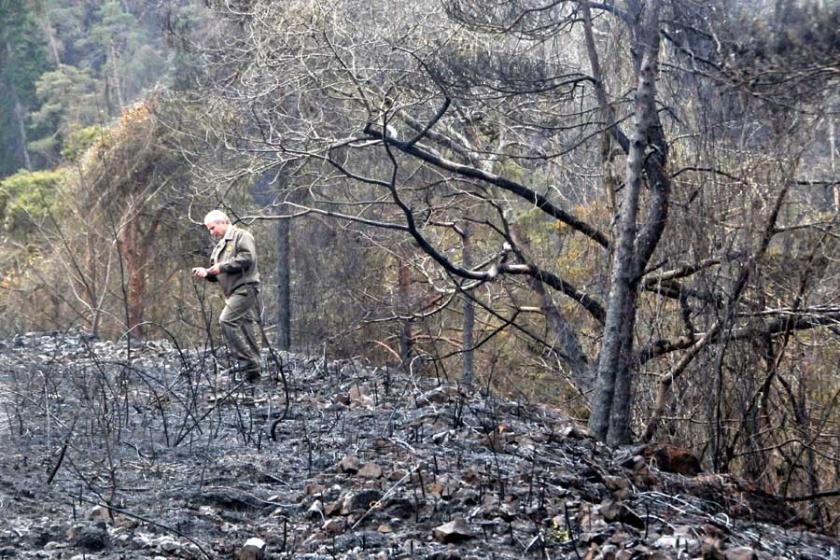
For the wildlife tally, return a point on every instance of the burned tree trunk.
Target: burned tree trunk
(283, 285)
(611, 416)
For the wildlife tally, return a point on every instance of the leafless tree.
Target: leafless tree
(633, 167)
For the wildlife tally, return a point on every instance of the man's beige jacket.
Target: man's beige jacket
(236, 255)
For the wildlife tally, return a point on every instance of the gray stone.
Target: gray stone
(253, 549)
(456, 530)
(615, 511)
(313, 489)
(607, 552)
(397, 474)
(168, 545)
(91, 537)
(739, 553)
(316, 510)
(349, 464)
(360, 501)
(370, 470)
(335, 525)
(364, 540)
(228, 498)
(333, 508)
(677, 542)
(99, 513)
(400, 508)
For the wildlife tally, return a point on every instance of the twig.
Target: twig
(818, 495)
(203, 416)
(64, 447)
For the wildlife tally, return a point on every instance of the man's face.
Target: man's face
(217, 229)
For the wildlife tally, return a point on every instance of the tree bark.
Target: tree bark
(21, 127)
(137, 239)
(115, 76)
(269, 187)
(19, 115)
(403, 309)
(283, 286)
(832, 143)
(52, 39)
(469, 313)
(611, 406)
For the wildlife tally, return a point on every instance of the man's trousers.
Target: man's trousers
(238, 320)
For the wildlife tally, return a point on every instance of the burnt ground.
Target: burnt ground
(152, 452)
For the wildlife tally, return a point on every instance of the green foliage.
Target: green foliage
(132, 58)
(79, 140)
(22, 59)
(23, 47)
(68, 97)
(65, 66)
(26, 200)
(68, 100)
(187, 65)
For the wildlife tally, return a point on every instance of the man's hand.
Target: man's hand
(200, 272)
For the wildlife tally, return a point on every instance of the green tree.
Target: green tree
(127, 56)
(27, 200)
(23, 58)
(68, 98)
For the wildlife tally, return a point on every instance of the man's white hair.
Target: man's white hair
(215, 217)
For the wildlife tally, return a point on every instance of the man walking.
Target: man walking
(234, 267)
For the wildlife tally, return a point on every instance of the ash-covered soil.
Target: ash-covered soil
(152, 452)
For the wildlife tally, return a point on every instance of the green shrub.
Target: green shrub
(26, 200)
